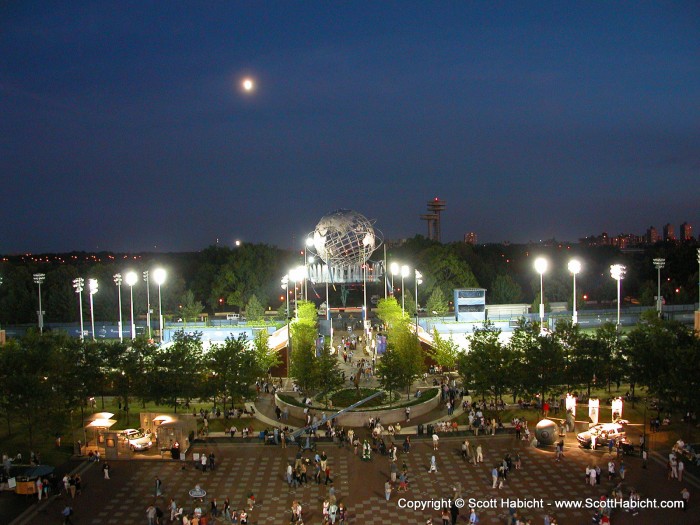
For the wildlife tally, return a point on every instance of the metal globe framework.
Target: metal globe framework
(345, 238)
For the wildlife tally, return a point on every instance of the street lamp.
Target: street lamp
(307, 244)
(285, 286)
(118, 282)
(698, 278)
(79, 284)
(617, 272)
(159, 277)
(419, 280)
(38, 279)
(296, 275)
(92, 288)
(131, 279)
(574, 268)
(659, 263)
(148, 302)
(394, 269)
(405, 271)
(541, 267)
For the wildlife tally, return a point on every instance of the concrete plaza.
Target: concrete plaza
(245, 468)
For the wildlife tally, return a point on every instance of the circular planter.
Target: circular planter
(359, 417)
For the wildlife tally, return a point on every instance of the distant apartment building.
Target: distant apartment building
(470, 238)
(669, 234)
(652, 236)
(686, 232)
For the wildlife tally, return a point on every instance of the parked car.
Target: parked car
(137, 439)
(603, 433)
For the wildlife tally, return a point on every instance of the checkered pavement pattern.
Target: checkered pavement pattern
(242, 469)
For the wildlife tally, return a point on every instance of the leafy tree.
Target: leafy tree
(233, 369)
(303, 332)
(389, 373)
(536, 303)
(254, 311)
(489, 363)
(409, 355)
(444, 351)
(265, 358)
(389, 312)
(179, 372)
(34, 388)
(504, 290)
(304, 366)
(540, 357)
(437, 303)
(329, 375)
(410, 304)
(191, 309)
(663, 356)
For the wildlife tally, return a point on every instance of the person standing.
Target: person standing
(494, 477)
(151, 514)
(436, 439)
(158, 487)
(685, 496)
(387, 489)
(433, 465)
(681, 469)
(454, 512)
(105, 470)
(408, 414)
(479, 454)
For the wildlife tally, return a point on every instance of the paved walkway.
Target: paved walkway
(252, 468)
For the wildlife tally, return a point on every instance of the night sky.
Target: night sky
(123, 125)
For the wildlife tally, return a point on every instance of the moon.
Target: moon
(248, 84)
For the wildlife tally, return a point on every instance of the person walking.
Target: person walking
(479, 454)
(105, 470)
(494, 476)
(387, 489)
(681, 469)
(436, 439)
(433, 465)
(67, 513)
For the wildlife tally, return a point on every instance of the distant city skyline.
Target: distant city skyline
(146, 128)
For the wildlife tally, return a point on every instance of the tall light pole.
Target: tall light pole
(307, 244)
(148, 302)
(285, 286)
(38, 279)
(405, 271)
(419, 280)
(118, 282)
(698, 278)
(574, 268)
(395, 269)
(79, 284)
(159, 277)
(131, 279)
(92, 288)
(365, 315)
(659, 263)
(617, 272)
(296, 275)
(541, 267)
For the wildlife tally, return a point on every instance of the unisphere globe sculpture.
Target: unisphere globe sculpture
(344, 238)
